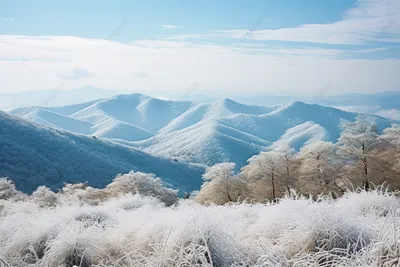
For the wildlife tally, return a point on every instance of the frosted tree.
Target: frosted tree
(220, 185)
(357, 141)
(316, 165)
(391, 140)
(271, 173)
(267, 166)
(288, 162)
(391, 135)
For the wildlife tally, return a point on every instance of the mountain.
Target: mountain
(56, 97)
(205, 133)
(34, 155)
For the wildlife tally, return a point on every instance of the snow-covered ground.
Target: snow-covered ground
(359, 229)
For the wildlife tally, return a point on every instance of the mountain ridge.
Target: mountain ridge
(205, 133)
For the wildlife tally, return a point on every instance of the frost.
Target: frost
(359, 229)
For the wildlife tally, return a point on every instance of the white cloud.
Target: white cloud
(393, 114)
(174, 65)
(76, 74)
(368, 21)
(7, 19)
(168, 26)
(140, 75)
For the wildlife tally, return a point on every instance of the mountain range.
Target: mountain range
(204, 133)
(383, 103)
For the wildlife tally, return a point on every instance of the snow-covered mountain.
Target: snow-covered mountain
(34, 155)
(206, 133)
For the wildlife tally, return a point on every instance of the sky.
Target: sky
(205, 47)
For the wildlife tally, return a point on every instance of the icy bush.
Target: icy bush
(144, 184)
(133, 183)
(7, 189)
(44, 197)
(359, 229)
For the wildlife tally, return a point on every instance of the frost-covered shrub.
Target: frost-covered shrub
(144, 184)
(72, 188)
(7, 189)
(124, 229)
(93, 196)
(84, 194)
(44, 197)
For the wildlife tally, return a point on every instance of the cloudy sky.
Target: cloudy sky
(212, 47)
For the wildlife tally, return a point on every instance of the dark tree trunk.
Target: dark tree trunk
(273, 187)
(366, 181)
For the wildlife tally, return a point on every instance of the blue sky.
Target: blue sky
(159, 46)
(97, 18)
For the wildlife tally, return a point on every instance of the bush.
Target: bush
(7, 189)
(143, 184)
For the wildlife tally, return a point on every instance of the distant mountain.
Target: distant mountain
(34, 155)
(205, 133)
(57, 97)
(386, 104)
(384, 100)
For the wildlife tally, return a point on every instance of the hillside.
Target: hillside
(223, 130)
(34, 155)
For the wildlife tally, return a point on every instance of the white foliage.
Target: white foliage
(316, 157)
(221, 185)
(359, 229)
(44, 197)
(392, 136)
(221, 171)
(144, 184)
(7, 189)
(358, 138)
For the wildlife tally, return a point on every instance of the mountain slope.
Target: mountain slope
(301, 135)
(34, 155)
(223, 130)
(142, 111)
(207, 142)
(218, 109)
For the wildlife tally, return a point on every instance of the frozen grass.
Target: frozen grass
(359, 229)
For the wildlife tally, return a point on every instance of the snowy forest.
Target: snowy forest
(328, 204)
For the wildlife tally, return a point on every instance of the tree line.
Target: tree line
(361, 158)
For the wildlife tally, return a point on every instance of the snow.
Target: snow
(207, 142)
(58, 120)
(120, 130)
(301, 135)
(223, 130)
(34, 155)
